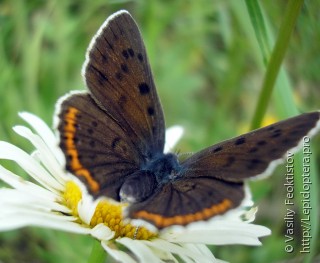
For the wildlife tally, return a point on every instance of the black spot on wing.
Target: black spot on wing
(140, 57)
(144, 88)
(124, 68)
(240, 141)
(218, 149)
(125, 54)
(276, 133)
(131, 52)
(150, 111)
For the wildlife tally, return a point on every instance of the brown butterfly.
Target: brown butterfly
(113, 138)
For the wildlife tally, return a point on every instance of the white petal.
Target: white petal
(102, 232)
(34, 211)
(221, 233)
(173, 135)
(176, 249)
(143, 253)
(22, 185)
(201, 249)
(164, 255)
(17, 219)
(40, 127)
(87, 207)
(247, 201)
(186, 259)
(249, 216)
(204, 250)
(117, 254)
(11, 200)
(44, 132)
(33, 168)
(43, 153)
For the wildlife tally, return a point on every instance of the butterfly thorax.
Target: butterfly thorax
(153, 174)
(164, 167)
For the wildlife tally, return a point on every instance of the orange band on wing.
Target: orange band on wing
(161, 221)
(71, 151)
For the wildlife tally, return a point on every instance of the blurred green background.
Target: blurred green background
(208, 69)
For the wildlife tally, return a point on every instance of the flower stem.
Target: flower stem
(277, 55)
(98, 255)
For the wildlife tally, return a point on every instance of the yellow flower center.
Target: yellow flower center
(107, 213)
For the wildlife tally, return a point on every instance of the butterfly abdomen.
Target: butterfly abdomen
(137, 187)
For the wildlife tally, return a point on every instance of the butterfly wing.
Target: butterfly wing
(110, 132)
(118, 74)
(211, 181)
(188, 200)
(252, 154)
(96, 147)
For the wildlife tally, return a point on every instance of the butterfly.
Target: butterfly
(113, 139)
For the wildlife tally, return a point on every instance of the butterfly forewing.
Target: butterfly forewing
(251, 154)
(118, 74)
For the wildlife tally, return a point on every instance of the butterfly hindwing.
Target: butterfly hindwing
(254, 153)
(96, 148)
(118, 75)
(188, 200)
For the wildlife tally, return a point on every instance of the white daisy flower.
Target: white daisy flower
(58, 200)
